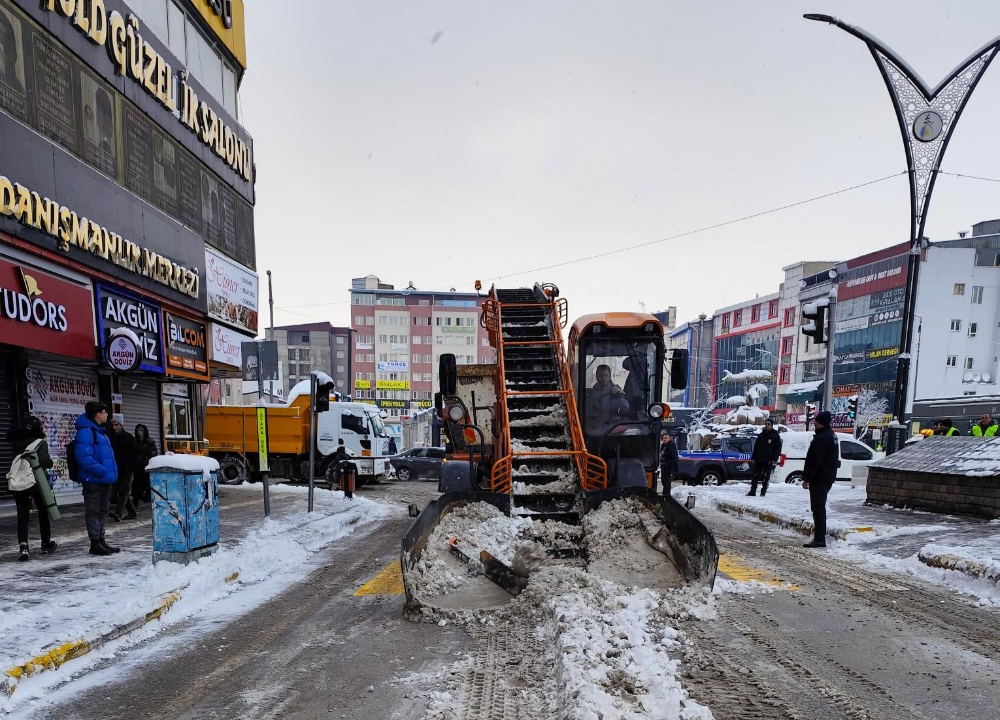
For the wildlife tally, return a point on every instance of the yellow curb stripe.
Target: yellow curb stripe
(52, 659)
(234, 577)
(735, 567)
(387, 582)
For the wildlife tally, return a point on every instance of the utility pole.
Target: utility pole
(831, 331)
(312, 436)
(270, 304)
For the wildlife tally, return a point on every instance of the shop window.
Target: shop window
(177, 418)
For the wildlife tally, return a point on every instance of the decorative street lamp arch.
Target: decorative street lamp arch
(927, 119)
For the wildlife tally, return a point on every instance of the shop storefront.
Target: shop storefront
(47, 364)
(187, 371)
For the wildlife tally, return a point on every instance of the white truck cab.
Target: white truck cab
(793, 456)
(361, 428)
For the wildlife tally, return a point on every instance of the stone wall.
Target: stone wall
(953, 494)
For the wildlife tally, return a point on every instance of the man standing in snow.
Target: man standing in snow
(392, 446)
(669, 462)
(766, 451)
(819, 474)
(96, 471)
(126, 458)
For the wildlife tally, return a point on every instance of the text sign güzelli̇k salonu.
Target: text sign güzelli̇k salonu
(43, 312)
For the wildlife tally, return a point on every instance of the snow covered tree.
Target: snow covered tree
(872, 409)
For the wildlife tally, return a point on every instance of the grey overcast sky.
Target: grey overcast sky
(441, 142)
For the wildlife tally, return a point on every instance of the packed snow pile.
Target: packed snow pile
(481, 526)
(184, 463)
(565, 484)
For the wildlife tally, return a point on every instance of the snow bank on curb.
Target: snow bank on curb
(95, 595)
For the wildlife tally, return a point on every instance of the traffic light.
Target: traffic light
(321, 403)
(852, 406)
(815, 313)
(810, 414)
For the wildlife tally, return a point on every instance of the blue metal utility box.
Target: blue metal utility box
(185, 514)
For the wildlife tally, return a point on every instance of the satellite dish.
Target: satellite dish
(976, 377)
(967, 377)
(986, 377)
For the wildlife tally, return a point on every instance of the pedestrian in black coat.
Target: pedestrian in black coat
(669, 462)
(145, 451)
(819, 474)
(126, 458)
(766, 452)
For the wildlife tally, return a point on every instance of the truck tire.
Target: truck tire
(232, 470)
(794, 478)
(711, 476)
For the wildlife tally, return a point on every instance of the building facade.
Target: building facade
(127, 252)
(398, 338)
(697, 338)
(958, 320)
(314, 346)
(869, 321)
(746, 337)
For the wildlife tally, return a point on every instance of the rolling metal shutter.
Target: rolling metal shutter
(7, 419)
(59, 392)
(141, 404)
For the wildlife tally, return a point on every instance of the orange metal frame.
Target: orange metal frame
(592, 470)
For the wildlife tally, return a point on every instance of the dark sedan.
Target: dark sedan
(421, 462)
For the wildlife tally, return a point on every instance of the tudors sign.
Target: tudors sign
(43, 312)
(187, 347)
(69, 229)
(117, 309)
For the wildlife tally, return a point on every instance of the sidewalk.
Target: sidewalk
(56, 607)
(960, 552)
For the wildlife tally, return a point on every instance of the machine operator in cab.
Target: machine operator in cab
(606, 404)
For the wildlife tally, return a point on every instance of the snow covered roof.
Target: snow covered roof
(957, 455)
(803, 387)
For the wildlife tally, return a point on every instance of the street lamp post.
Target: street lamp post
(927, 119)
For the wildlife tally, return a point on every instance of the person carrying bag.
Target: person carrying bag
(29, 483)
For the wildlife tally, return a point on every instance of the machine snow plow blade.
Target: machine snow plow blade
(687, 547)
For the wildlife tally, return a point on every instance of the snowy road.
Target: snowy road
(315, 650)
(834, 639)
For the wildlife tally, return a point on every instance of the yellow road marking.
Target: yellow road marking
(732, 565)
(387, 582)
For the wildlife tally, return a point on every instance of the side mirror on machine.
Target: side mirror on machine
(447, 374)
(679, 369)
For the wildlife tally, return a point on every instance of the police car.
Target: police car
(727, 459)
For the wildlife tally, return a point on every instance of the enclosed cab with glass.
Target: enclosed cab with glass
(616, 364)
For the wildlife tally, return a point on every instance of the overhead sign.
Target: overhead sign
(133, 57)
(226, 345)
(394, 366)
(69, 229)
(260, 360)
(392, 384)
(232, 292)
(117, 309)
(122, 351)
(362, 384)
(45, 312)
(226, 18)
(187, 347)
(882, 353)
(398, 404)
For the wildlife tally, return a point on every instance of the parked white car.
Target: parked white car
(794, 445)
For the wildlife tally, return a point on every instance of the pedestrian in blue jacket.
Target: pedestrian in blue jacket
(97, 471)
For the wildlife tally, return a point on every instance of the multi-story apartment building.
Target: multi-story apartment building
(746, 338)
(126, 215)
(314, 346)
(399, 336)
(956, 364)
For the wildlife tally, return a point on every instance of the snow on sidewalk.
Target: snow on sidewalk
(962, 554)
(787, 506)
(85, 596)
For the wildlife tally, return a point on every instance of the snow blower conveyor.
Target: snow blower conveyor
(561, 448)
